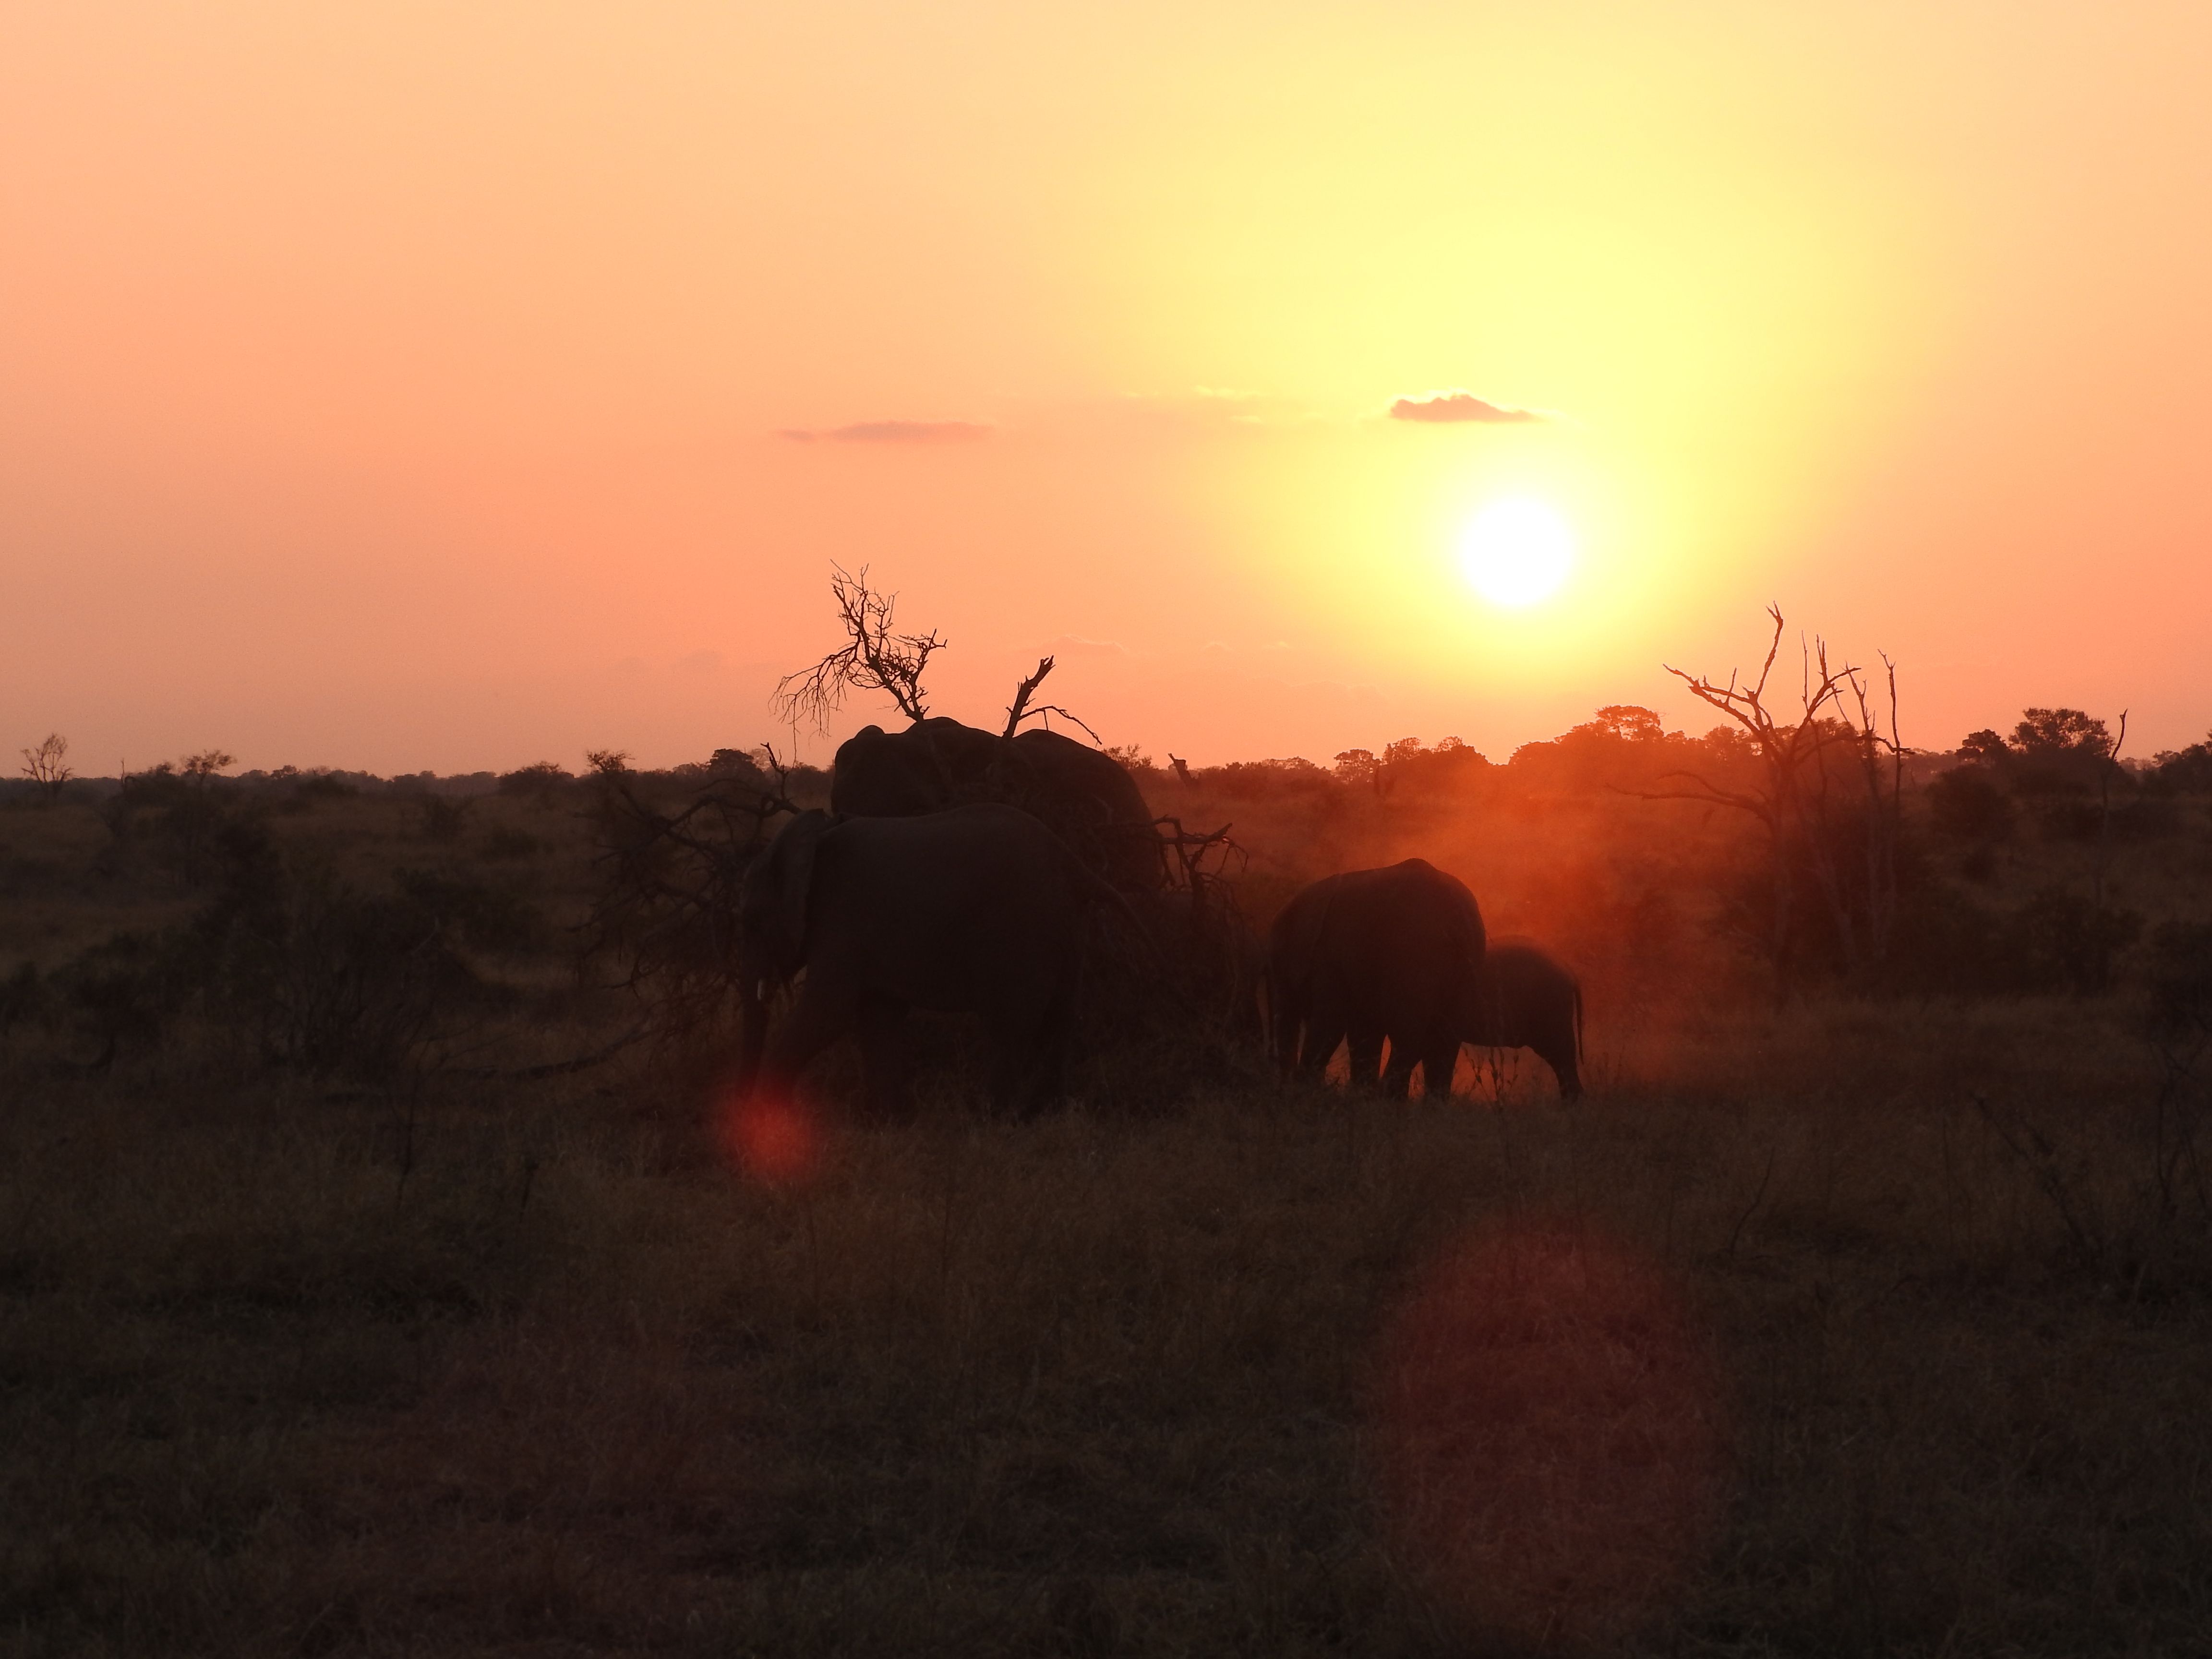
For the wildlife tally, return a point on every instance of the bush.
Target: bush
(1967, 804)
(175, 821)
(541, 780)
(2179, 975)
(306, 969)
(122, 991)
(2065, 940)
(442, 818)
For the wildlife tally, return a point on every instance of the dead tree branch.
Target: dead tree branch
(665, 913)
(45, 767)
(872, 658)
(1810, 832)
(1017, 711)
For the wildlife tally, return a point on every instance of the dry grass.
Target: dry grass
(280, 1373)
(1859, 1330)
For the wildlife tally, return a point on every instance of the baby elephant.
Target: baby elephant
(1530, 1000)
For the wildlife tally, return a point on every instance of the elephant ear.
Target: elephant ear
(776, 906)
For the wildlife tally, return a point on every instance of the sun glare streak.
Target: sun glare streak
(1517, 552)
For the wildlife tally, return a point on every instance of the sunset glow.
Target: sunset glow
(409, 387)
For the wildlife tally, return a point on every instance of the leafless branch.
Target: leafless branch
(44, 766)
(1708, 794)
(1045, 711)
(872, 658)
(1016, 711)
(670, 881)
(1810, 832)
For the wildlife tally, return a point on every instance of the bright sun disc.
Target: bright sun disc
(1516, 552)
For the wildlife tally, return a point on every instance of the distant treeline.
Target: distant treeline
(335, 920)
(2049, 752)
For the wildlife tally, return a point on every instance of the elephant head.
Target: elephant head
(772, 903)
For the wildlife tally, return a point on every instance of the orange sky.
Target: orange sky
(407, 385)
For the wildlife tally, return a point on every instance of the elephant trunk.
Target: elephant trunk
(752, 1007)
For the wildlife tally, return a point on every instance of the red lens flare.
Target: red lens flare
(774, 1141)
(1549, 1435)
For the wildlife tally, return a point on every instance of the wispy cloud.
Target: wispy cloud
(891, 432)
(1445, 407)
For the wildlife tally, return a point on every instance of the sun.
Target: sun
(1516, 552)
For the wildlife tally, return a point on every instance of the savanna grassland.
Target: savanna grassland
(335, 1318)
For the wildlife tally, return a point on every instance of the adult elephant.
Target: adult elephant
(1084, 794)
(1529, 999)
(1368, 955)
(977, 910)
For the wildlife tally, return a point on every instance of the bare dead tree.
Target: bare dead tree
(46, 766)
(873, 658)
(1809, 830)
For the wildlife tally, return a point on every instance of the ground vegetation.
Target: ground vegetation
(380, 1269)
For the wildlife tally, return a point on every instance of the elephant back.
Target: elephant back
(1399, 948)
(1090, 801)
(1530, 997)
(1084, 795)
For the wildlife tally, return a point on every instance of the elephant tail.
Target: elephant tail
(1578, 1023)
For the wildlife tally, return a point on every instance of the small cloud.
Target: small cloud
(892, 432)
(1455, 406)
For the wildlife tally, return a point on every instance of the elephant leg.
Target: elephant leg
(818, 1018)
(1398, 1073)
(882, 1059)
(1028, 1046)
(1286, 1024)
(1048, 1074)
(1438, 1061)
(1322, 1038)
(752, 1042)
(1366, 1049)
(1560, 1056)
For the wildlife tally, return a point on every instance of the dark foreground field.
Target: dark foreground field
(1805, 1352)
